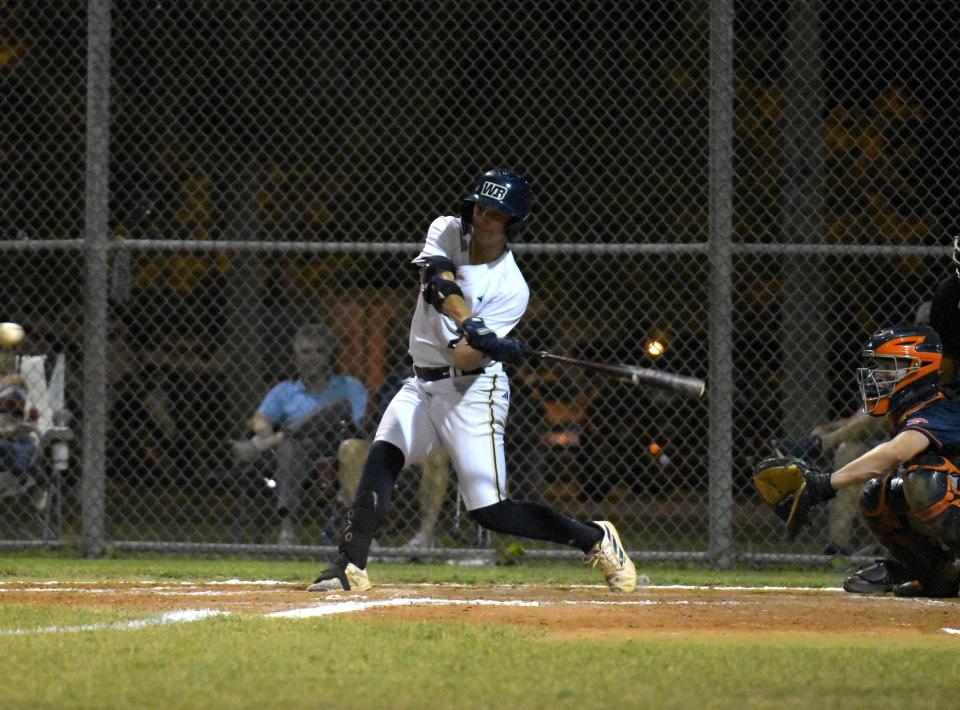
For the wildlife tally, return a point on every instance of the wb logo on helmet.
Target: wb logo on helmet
(493, 190)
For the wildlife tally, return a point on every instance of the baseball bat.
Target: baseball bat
(635, 375)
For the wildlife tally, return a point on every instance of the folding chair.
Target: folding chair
(46, 424)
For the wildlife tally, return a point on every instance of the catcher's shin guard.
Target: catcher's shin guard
(886, 512)
(932, 491)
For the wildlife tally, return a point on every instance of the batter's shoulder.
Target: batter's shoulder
(443, 239)
(446, 227)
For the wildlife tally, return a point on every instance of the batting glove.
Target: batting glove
(480, 337)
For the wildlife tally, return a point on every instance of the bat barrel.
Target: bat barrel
(639, 376)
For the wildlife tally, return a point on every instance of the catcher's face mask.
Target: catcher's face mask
(896, 361)
(879, 379)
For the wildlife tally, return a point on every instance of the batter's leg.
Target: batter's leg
(369, 510)
(538, 522)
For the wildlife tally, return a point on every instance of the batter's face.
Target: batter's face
(312, 358)
(488, 220)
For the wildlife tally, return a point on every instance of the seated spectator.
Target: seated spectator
(18, 442)
(307, 422)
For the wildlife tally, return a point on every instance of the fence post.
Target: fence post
(96, 253)
(803, 277)
(720, 309)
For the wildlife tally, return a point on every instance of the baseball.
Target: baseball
(10, 334)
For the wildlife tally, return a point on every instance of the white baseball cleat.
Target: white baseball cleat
(609, 555)
(341, 579)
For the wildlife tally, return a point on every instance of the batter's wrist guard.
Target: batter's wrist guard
(437, 290)
(436, 265)
(474, 328)
(482, 338)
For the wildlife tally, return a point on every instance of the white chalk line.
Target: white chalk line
(171, 617)
(343, 607)
(151, 586)
(352, 606)
(348, 606)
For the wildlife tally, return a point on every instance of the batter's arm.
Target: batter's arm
(480, 343)
(464, 356)
(454, 305)
(880, 459)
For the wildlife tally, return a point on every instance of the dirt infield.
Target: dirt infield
(563, 611)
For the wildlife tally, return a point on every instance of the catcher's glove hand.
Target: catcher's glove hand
(791, 487)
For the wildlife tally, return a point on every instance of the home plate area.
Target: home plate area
(558, 610)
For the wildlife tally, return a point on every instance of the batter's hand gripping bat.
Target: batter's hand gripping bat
(633, 374)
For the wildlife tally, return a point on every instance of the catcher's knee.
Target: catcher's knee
(932, 492)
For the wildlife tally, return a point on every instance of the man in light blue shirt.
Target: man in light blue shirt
(306, 419)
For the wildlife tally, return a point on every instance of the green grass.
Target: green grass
(370, 662)
(31, 566)
(32, 616)
(365, 663)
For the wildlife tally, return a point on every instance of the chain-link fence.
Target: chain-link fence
(203, 199)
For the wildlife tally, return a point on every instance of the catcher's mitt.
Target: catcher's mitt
(791, 488)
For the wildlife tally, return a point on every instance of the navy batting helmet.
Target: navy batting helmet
(502, 190)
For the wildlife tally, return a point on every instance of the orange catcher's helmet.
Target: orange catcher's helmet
(903, 366)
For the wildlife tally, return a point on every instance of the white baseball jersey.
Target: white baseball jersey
(465, 415)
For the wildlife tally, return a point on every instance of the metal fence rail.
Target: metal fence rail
(188, 184)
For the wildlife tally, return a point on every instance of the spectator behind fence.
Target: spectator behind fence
(18, 443)
(306, 423)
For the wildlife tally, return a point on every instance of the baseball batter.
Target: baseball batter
(473, 295)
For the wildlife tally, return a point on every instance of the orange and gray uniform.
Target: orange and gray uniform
(915, 512)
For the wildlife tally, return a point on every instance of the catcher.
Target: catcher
(911, 497)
